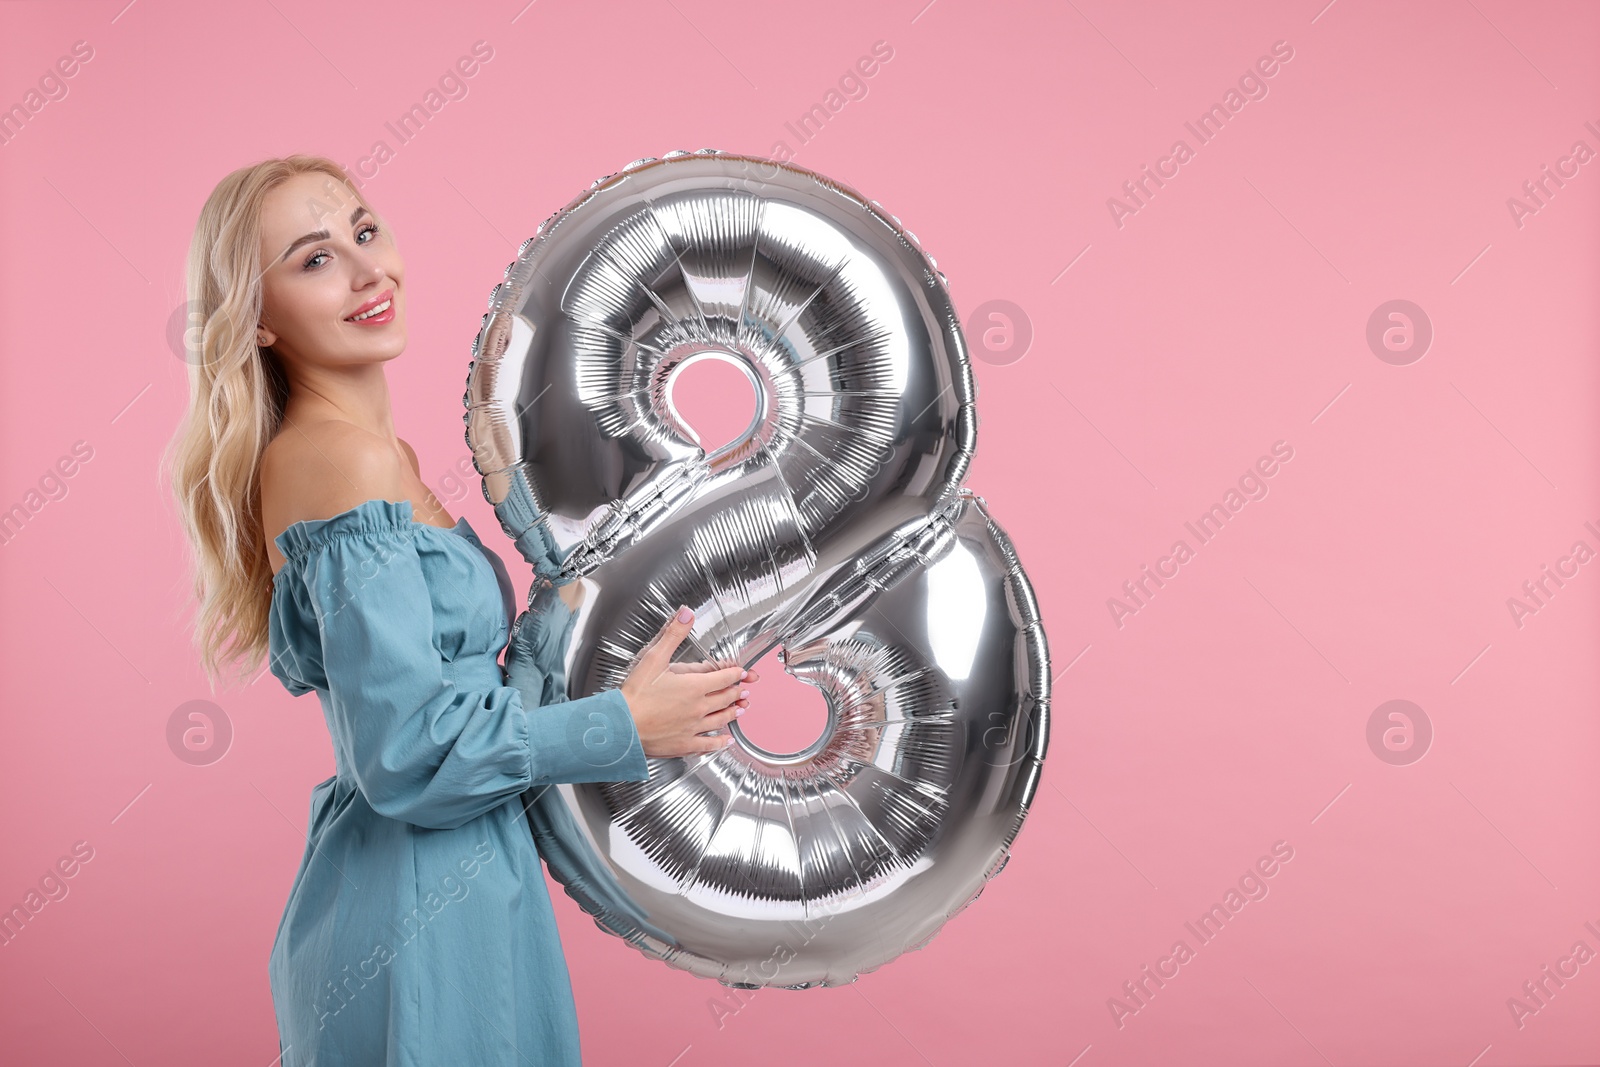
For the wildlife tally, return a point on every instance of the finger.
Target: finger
(701, 666)
(659, 652)
(666, 630)
(724, 678)
(722, 698)
(719, 719)
(715, 743)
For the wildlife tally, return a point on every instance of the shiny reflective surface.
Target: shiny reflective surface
(835, 529)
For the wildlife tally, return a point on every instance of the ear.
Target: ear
(264, 336)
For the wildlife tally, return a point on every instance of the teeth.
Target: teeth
(379, 310)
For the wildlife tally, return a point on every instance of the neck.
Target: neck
(357, 394)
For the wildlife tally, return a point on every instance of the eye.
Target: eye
(311, 264)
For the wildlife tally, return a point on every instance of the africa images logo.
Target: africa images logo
(1252, 85)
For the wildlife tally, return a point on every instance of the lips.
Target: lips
(370, 304)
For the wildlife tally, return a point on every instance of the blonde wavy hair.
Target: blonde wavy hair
(237, 393)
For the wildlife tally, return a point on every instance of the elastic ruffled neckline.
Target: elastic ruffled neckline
(370, 516)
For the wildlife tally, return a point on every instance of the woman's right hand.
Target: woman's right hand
(672, 708)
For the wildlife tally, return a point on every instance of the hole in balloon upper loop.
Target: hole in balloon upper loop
(717, 398)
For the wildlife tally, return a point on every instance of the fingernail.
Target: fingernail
(685, 615)
(745, 676)
(727, 742)
(738, 712)
(743, 693)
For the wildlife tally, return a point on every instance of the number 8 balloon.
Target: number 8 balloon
(834, 529)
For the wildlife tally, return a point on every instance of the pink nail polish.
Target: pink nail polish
(738, 712)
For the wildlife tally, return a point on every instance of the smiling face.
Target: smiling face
(325, 259)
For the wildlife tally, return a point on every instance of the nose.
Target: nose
(369, 269)
(369, 273)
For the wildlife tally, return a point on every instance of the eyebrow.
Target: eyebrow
(320, 235)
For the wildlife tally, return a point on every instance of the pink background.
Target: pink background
(1228, 313)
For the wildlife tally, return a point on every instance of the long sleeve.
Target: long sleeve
(536, 658)
(430, 740)
(536, 665)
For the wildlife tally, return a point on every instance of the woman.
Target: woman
(418, 929)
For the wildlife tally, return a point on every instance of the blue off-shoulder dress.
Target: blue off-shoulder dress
(418, 929)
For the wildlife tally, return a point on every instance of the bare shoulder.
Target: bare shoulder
(411, 454)
(319, 470)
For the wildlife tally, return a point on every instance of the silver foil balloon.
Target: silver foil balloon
(835, 529)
